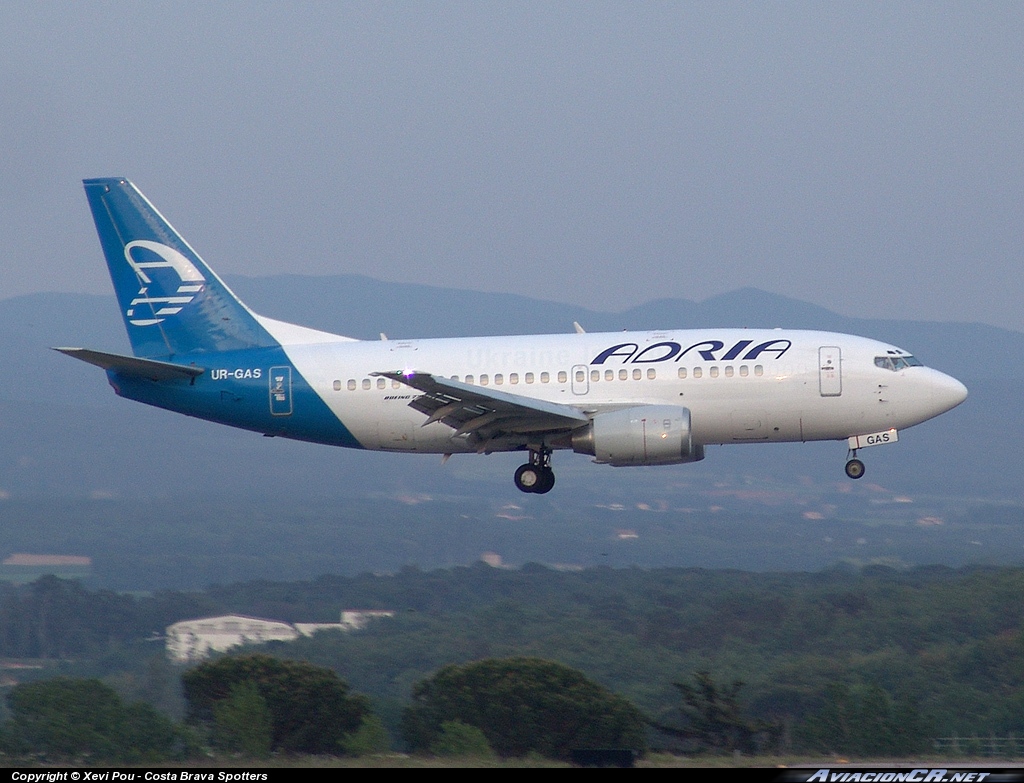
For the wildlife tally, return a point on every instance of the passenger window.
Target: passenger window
(337, 386)
(697, 372)
(623, 375)
(595, 375)
(758, 370)
(729, 371)
(498, 379)
(469, 379)
(529, 377)
(484, 380)
(744, 371)
(352, 384)
(381, 383)
(545, 377)
(396, 385)
(563, 377)
(652, 374)
(513, 378)
(714, 372)
(637, 375)
(366, 383)
(682, 372)
(609, 375)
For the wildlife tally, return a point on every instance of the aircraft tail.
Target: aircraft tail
(171, 301)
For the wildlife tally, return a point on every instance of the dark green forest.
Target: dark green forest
(864, 662)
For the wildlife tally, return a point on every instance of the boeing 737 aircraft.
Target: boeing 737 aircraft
(626, 398)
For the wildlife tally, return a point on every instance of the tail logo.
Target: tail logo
(190, 280)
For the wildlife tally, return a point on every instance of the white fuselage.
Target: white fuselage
(801, 386)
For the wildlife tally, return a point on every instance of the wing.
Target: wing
(485, 414)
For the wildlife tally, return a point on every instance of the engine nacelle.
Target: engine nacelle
(644, 435)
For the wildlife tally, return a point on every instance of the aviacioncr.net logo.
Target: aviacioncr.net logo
(190, 281)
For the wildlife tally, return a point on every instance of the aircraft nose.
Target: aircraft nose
(947, 392)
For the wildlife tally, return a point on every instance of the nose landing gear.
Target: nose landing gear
(854, 467)
(536, 475)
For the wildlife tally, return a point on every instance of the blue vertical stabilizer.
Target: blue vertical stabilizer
(171, 301)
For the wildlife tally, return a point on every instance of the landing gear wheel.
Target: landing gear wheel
(529, 477)
(547, 481)
(536, 475)
(855, 468)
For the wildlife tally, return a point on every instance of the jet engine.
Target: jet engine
(644, 435)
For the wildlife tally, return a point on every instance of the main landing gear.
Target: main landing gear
(536, 475)
(854, 467)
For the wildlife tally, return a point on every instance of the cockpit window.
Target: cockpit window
(895, 363)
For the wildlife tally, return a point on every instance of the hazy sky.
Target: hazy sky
(865, 157)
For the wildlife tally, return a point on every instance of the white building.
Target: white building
(356, 619)
(194, 640)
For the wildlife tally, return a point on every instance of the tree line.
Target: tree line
(851, 661)
(254, 706)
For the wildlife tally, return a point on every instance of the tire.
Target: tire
(528, 478)
(547, 481)
(855, 468)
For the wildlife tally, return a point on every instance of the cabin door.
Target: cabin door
(281, 391)
(830, 371)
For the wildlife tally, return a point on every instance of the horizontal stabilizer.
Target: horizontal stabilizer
(134, 366)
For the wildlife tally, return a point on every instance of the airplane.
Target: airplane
(624, 398)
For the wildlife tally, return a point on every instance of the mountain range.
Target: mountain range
(64, 432)
(159, 499)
